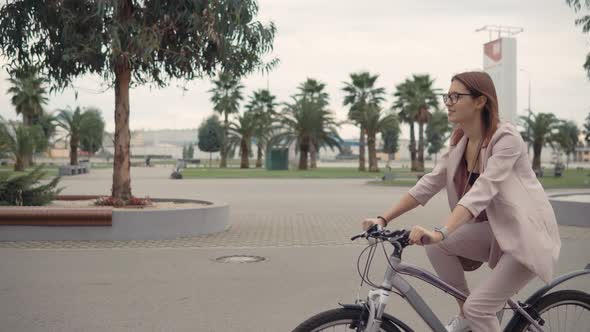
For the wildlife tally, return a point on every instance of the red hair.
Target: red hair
(480, 84)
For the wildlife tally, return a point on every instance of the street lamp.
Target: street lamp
(529, 107)
(529, 77)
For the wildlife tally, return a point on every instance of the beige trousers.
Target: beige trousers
(474, 241)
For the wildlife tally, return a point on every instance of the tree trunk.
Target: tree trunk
(373, 167)
(121, 161)
(259, 155)
(362, 150)
(244, 153)
(420, 158)
(210, 159)
(303, 151)
(28, 159)
(412, 147)
(73, 151)
(537, 156)
(19, 164)
(27, 120)
(313, 156)
(223, 152)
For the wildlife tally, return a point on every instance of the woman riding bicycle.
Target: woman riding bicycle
(500, 212)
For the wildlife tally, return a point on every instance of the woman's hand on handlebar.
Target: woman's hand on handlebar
(421, 236)
(367, 223)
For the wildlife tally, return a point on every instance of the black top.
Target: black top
(473, 177)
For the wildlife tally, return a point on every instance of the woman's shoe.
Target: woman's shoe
(458, 324)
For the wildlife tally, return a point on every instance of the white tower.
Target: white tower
(499, 61)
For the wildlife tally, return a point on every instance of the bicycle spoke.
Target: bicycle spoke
(578, 317)
(558, 320)
(566, 317)
(550, 321)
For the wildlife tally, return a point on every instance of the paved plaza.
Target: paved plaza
(302, 227)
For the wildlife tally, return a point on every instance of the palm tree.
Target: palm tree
(414, 98)
(437, 132)
(567, 138)
(28, 94)
(304, 123)
(20, 142)
(586, 130)
(92, 130)
(326, 136)
(374, 122)
(361, 95)
(314, 91)
(539, 130)
(226, 98)
(3, 142)
(81, 126)
(240, 135)
(28, 97)
(390, 137)
(262, 104)
(425, 97)
(47, 123)
(407, 114)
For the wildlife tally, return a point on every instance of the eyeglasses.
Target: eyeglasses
(454, 97)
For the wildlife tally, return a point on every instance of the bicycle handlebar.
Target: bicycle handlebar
(400, 236)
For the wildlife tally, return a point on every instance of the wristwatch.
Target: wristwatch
(442, 230)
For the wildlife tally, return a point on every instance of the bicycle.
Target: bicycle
(535, 314)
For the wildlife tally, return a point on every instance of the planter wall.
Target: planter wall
(571, 213)
(131, 224)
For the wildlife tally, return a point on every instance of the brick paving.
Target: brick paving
(266, 212)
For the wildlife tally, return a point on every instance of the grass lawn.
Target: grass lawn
(51, 171)
(572, 178)
(319, 173)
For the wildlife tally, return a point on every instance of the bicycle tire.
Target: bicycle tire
(342, 316)
(554, 300)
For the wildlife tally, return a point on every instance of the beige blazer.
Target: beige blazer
(519, 213)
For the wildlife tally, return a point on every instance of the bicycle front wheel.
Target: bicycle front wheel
(342, 319)
(564, 311)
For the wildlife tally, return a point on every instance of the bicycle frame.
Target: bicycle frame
(378, 298)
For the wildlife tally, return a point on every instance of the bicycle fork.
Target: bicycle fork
(376, 301)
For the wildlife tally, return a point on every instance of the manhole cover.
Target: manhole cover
(240, 259)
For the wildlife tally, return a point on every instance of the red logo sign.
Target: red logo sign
(493, 50)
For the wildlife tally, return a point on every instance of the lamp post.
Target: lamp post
(529, 104)
(529, 77)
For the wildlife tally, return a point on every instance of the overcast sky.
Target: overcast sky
(329, 39)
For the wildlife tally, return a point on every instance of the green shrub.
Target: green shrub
(25, 189)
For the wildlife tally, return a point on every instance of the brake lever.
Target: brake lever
(372, 229)
(363, 234)
(404, 237)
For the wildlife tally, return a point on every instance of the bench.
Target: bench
(184, 163)
(67, 170)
